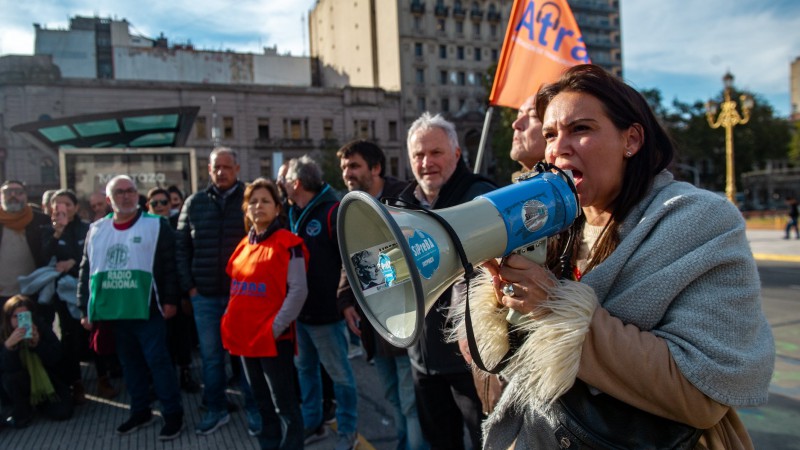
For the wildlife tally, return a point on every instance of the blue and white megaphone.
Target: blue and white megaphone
(399, 261)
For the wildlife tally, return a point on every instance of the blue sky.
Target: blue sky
(682, 47)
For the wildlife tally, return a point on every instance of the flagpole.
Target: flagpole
(487, 120)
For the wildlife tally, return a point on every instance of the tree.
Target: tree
(765, 137)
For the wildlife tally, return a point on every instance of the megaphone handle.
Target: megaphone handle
(516, 318)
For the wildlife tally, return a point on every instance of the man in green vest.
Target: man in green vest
(127, 265)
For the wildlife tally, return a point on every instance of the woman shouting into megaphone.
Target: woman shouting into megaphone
(657, 333)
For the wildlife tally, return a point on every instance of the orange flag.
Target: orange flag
(542, 41)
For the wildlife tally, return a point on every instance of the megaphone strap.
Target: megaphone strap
(469, 270)
(514, 342)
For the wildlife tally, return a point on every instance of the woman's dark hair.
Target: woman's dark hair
(371, 153)
(261, 183)
(175, 189)
(155, 191)
(625, 107)
(8, 311)
(64, 193)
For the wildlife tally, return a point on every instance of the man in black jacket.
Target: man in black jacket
(446, 394)
(363, 169)
(210, 226)
(20, 238)
(321, 333)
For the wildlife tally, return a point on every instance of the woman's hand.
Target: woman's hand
(34, 340)
(17, 336)
(65, 266)
(529, 280)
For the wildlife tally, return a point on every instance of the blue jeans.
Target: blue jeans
(272, 380)
(398, 388)
(142, 345)
(326, 344)
(208, 313)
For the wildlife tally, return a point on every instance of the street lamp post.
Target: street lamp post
(729, 118)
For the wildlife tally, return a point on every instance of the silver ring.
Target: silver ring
(508, 289)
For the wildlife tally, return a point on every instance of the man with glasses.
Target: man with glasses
(126, 279)
(20, 238)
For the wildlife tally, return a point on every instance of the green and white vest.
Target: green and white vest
(121, 263)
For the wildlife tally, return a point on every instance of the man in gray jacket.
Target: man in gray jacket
(210, 227)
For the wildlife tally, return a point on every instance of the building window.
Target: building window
(363, 129)
(327, 130)
(417, 23)
(227, 127)
(445, 105)
(265, 167)
(461, 103)
(200, 131)
(394, 166)
(494, 55)
(460, 53)
(476, 29)
(442, 51)
(477, 52)
(442, 77)
(459, 27)
(418, 49)
(293, 129)
(263, 128)
(462, 79)
(420, 76)
(493, 30)
(421, 106)
(392, 130)
(440, 25)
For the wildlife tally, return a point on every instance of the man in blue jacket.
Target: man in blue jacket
(210, 226)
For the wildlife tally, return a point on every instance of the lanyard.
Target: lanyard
(294, 225)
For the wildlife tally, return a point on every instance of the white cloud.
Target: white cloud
(755, 42)
(246, 25)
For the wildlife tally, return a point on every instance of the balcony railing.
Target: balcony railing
(418, 7)
(441, 10)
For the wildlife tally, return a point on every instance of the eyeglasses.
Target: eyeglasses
(13, 191)
(121, 192)
(155, 203)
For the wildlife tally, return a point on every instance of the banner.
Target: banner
(541, 42)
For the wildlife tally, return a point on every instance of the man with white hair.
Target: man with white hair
(20, 238)
(446, 395)
(126, 277)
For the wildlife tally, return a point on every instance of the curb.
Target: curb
(776, 257)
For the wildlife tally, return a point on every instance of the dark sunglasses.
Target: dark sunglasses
(155, 203)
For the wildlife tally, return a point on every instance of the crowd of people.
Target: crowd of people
(663, 309)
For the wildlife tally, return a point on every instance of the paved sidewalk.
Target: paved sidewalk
(769, 245)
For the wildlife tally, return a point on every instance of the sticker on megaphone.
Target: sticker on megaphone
(379, 267)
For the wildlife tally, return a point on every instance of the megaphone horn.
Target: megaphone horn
(399, 261)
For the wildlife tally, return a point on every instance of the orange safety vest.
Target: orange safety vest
(258, 288)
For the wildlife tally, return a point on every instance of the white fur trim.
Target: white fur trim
(488, 320)
(547, 362)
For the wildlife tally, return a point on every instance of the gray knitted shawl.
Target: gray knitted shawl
(684, 271)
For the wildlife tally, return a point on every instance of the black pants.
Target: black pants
(273, 387)
(445, 403)
(179, 338)
(74, 342)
